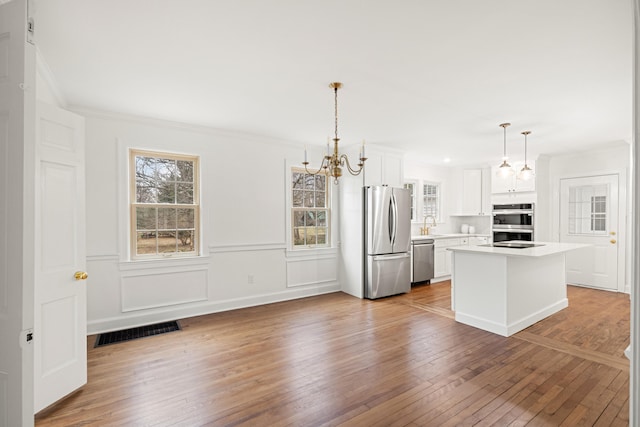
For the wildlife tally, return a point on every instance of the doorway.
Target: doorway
(589, 214)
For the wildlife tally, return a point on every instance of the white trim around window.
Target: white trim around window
(306, 251)
(432, 200)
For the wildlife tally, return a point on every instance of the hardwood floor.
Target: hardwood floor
(337, 360)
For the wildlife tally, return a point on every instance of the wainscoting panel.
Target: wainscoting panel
(152, 289)
(302, 272)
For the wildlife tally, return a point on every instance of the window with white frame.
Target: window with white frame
(411, 186)
(310, 209)
(588, 209)
(431, 200)
(164, 205)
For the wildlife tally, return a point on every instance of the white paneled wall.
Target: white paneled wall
(245, 257)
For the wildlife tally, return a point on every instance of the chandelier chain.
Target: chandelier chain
(335, 110)
(333, 162)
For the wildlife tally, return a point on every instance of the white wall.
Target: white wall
(245, 258)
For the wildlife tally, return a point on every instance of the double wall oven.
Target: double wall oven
(513, 222)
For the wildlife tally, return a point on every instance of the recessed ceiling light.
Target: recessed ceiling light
(447, 160)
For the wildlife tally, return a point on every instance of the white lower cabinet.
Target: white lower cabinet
(478, 240)
(441, 262)
(442, 257)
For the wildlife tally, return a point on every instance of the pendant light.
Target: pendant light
(526, 172)
(505, 170)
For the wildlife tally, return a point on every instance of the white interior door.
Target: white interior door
(589, 214)
(17, 99)
(61, 298)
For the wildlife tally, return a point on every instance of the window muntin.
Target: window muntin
(588, 209)
(164, 205)
(431, 200)
(309, 210)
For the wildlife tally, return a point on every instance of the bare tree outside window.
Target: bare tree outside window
(165, 205)
(309, 209)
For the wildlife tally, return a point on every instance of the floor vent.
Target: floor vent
(135, 333)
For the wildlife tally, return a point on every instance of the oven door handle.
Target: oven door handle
(513, 230)
(513, 212)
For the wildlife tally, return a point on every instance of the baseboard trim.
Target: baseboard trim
(513, 327)
(135, 319)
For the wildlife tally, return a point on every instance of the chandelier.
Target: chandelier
(333, 163)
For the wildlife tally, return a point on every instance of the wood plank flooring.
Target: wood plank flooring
(335, 360)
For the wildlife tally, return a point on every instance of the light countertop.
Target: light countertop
(447, 236)
(546, 248)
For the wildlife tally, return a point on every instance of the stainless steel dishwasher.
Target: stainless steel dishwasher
(422, 260)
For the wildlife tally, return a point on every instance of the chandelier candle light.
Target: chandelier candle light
(333, 163)
(505, 168)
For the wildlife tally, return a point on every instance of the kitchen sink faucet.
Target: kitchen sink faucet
(425, 230)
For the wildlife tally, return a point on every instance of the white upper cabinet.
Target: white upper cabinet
(472, 191)
(512, 184)
(474, 197)
(383, 168)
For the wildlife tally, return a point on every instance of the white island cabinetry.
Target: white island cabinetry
(505, 290)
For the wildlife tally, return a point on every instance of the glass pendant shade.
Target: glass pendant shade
(505, 170)
(526, 173)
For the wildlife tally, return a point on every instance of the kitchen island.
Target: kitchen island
(505, 290)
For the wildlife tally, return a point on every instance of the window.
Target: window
(411, 186)
(588, 209)
(164, 204)
(309, 209)
(598, 213)
(431, 200)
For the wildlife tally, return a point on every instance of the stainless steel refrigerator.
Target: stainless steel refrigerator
(387, 239)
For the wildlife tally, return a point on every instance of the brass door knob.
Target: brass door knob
(612, 241)
(81, 275)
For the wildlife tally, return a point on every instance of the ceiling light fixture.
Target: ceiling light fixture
(333, 163)
(526, 172)
(505, 168)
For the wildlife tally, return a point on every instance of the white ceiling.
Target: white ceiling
(433, 77)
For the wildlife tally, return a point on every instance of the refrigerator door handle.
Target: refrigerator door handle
(393, 212)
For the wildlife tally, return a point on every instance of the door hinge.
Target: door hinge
(26, 337)
(30, 23)
(30, 30)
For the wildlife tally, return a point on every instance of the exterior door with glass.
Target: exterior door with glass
(589, 214)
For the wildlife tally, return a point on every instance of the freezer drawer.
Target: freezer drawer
(387, 275)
